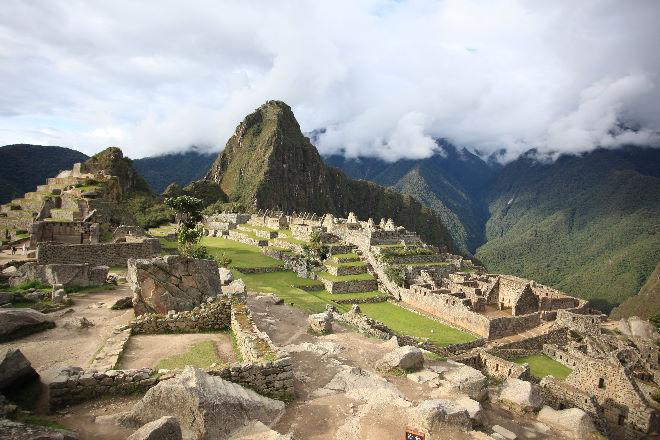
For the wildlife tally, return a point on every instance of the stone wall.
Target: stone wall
(494, 366)
(570, 360)
(554, 335)
(66, 274)
(73, 384)
(584, 324)
(211, 316)
(511, 325)
(242, 238)
(254, 345)
(64, 232)
(108, 254)
(350, 286)
(123, 231)
(340, 271)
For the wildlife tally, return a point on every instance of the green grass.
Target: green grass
(242, 255)
(30, 419)
(280, 283)
(351, 255)
(90, 289)
(117, 269)
(167, 244)
(200, 355)
(435, 263)
(541, 365)
(412, 324)
(362, 276)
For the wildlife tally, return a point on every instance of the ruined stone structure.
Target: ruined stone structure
(82, 274)
(64, 232)
(108, 254)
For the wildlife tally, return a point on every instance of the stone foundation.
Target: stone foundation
(108, 254)
(208, 317)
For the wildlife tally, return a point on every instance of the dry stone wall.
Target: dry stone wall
(350, 286)
(208, 317)
(66, 274)
(108, 254)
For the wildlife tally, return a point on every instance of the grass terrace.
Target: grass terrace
(362, 276)
(541, 365)
(411, 324)
(242, 255)
(281, 284)
(351, 255)
(200, 355)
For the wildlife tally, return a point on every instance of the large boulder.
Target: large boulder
(21, 431)
(206, 406)
(320, 322)
(573, 422)
(465, 380)
(524, 395)
(404, 358)
(235, 288)
(165, 428)
(172, 282)
(438, 414)
(635, 327)
(15, 369)
(64, 274)
(15, 323)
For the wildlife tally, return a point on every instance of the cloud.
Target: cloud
(382, 77)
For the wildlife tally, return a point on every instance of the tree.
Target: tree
(189, 214)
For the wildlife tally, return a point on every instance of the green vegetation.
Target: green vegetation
(646, 304)
(31, 419)
(362, 276)
(79, 290)
(351, 255)
(190, 213)
(179, 168)
(541, 365)
(392, 252)
(242, 255)
(201, 355)
(411, 324)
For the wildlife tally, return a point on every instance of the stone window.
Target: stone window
(622, 419)
(601, 383)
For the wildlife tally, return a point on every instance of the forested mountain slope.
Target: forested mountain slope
(179, 168)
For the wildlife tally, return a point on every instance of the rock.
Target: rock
(320, 322)
(172, 282)
(34, 296)
(15, 369)
(235, 288)
(21, 431)
(439, 414)
(259, 431)
(207, 407)
(503, 433)
(125, 302)
(465, 380)
(274, 299)
(391, 344)
(524, 395)
(404, 358)
(85, 323)
(360, 384)
(474, 409)
(573, 422)
(165, 428)
(19, 322)
(635, 327)
(422, 376)
(58, 296)
(6, 298)
(226, 275)
(9, 270)
(64, 274)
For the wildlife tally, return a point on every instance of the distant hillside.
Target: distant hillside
(646, 303)
(268, 163)
(588, 225)
(181, 168)
(452, 182)
(23, 167)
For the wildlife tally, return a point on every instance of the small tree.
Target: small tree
(189, 214)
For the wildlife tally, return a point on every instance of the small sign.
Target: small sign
(413, 436)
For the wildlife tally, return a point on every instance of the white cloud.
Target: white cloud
(383, 77)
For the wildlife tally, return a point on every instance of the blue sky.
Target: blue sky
(383, 77)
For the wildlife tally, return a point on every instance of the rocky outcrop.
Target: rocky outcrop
(573, 422)
(438, 414)
(20, 431)
(15, 369)
(320, 322)
(207, 407)
(635, 327)
(15, 323)
(165, 428)
(226, 276)
(172, 282)
(64, 274)
(402, 358)
(522, 394)
(465, 380)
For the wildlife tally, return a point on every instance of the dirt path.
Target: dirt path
(67, 344)
(146, 350)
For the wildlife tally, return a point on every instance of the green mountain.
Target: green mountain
(646, 303)
(179, 168)
(23, 167)
(588, 225)
(269, 163)
(452, 182)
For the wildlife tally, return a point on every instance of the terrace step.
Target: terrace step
(339, 271)
(28, 204)
(66, 214)
(37, 195)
